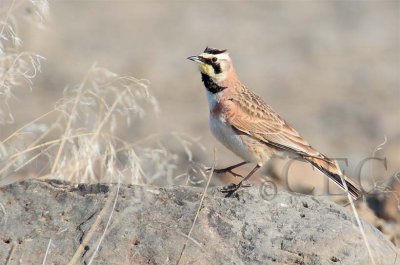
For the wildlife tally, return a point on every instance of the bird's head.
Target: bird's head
(214, 63)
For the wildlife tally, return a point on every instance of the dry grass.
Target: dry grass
(78, 139)
(17, 67)
(83, 146)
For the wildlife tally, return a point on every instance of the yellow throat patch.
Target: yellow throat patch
(206, 69)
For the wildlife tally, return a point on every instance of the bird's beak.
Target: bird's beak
(197, 59)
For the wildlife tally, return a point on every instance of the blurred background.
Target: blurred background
(330, 68)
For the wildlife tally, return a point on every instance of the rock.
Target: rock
(149, 225)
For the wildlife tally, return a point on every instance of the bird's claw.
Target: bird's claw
(232, 188)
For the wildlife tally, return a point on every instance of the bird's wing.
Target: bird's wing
(249, 114)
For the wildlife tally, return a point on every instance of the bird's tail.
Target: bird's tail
(331, 170)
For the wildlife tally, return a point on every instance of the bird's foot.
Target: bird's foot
(232, 188)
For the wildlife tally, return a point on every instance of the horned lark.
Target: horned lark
(247, 126)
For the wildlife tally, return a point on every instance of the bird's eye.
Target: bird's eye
(214, 59)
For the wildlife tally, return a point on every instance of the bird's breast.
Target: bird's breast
(214, 103)
(229, 138)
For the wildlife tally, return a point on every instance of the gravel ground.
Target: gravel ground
(149, 225)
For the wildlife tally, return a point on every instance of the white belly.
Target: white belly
(227, 136)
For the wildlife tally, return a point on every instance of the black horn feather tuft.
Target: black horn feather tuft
(213, 51)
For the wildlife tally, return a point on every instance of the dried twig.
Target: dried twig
(198, 209)
(108, 223)
(11, 253)
(356, 216)
(47, 252)
(90, 233)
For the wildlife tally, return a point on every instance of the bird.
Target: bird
(250, 128)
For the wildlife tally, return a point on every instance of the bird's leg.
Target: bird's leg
(229, 169)
(232, 188)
